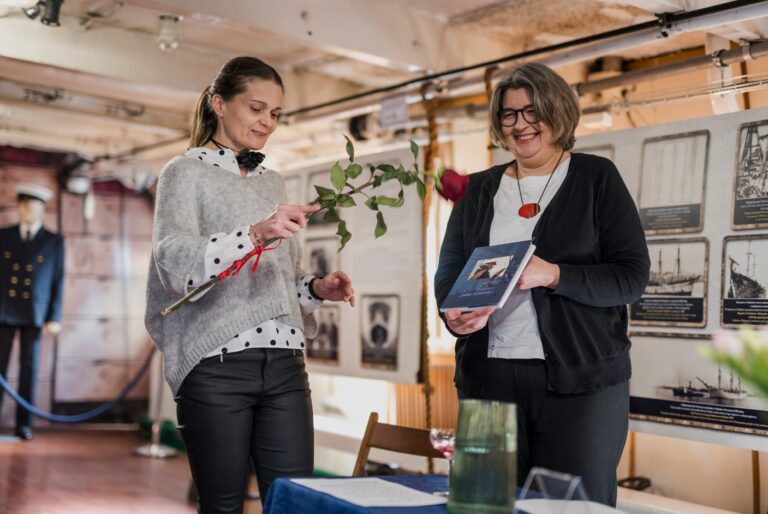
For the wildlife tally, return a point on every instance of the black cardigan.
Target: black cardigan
(592, 230)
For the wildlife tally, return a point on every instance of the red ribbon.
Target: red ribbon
(236, 266)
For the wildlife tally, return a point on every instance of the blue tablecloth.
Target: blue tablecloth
(286, 497)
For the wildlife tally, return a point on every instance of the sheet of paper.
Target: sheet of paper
(548, 506)
(371, 492)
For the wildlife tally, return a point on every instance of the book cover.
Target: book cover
(489, 276)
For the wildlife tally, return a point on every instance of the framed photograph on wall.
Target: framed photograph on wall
(750, 189)
(320, 256)
(324, 347)
(673, 383)
(745, 281)
(676, 294)
(379, 331)
(672, 183)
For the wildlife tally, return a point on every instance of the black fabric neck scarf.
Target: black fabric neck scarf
(248, 159)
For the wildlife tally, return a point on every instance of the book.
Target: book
(489, 276)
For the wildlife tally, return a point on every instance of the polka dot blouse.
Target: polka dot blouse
(222, 250)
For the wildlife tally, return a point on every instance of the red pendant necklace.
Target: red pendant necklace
(529, 210)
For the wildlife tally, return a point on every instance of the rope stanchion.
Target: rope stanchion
(78, 418)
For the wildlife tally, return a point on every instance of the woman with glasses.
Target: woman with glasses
(558, 348)
(234, 357)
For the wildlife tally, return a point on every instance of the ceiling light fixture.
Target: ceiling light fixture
(169, 32)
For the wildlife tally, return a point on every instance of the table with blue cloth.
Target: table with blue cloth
(287, 497)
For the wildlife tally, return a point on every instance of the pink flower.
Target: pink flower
(452, 185)
(729, 343)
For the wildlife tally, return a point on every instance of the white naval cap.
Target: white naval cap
(35, 191)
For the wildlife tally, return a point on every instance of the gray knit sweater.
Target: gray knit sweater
(195, 199)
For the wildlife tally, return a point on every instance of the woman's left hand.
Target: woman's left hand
(335, 287)
(539, 273)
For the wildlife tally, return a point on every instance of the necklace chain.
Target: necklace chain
(520, 190)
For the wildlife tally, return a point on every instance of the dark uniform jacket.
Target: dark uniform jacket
(592, 230)
(31, 277)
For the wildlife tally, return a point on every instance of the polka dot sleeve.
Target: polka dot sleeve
(222, 250)
(307, 302)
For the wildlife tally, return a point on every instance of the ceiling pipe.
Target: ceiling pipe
(586, 48)
(748, 51)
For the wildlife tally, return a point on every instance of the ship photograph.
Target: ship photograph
(675, 371)
(677, 269)
(752, 166)
(743, 277)
(673, 170)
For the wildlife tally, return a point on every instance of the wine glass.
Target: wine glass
(442, 440)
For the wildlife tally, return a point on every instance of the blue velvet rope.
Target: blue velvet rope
(77, 418)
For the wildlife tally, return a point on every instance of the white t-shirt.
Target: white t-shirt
(514, 329)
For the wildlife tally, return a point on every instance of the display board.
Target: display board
(380, 337)
(699, 185)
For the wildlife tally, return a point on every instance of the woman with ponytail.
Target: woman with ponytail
(235, 357)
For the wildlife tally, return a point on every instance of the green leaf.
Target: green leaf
(350, 149)
(415, 151)
(377, 180)
(385, 168)
(331, 216)
(346, 201)
(338, 177)
(343, 233)
(388, 201)
(372, 204)
(421, 189)
(381, 227)
(324, 192)
(404, 177)
(354, 170)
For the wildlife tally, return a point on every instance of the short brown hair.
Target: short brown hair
(552, 98)
(231, 81)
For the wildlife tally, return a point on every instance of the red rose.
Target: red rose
(453, 185)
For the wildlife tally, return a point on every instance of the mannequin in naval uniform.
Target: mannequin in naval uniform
(31, 285)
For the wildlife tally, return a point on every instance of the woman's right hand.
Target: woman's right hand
(284, 222)
(467, 322)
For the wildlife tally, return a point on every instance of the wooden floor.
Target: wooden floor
(91, 472)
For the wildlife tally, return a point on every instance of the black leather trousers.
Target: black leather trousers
(247, 407)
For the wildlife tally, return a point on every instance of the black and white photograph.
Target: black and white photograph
(745, 281)
(672, 183)
(673, 383)
(676, 294)
(321, 256)
(324, 347)
(750, 205)
(380, 331)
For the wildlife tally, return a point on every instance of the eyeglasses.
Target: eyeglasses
(508, 117)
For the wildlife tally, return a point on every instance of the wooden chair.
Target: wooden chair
(412, 441)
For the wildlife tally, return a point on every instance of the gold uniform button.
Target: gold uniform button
(16, 266)
(27, 281)
(40, 258)
(25, 295)
(7, 254)
(12, 293)
(14, 280)
(28, 267)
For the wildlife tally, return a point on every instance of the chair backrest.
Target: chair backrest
(413, 441)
